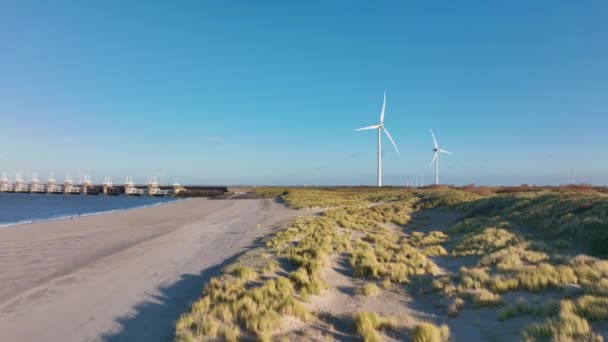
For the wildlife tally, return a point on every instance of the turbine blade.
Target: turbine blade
(434, 159)
(446, 152)
(368, 127)
(434, 140)
(390, 138)
(383, 107)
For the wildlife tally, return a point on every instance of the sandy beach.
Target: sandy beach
(123, 276)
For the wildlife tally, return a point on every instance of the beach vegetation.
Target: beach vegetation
(419, 239)
(507, 239)
(567, 326)
(429, 332)
(434, 251)
(368, 324)
(484, 298)
(369, 289)
(456, 306)
(485, 242)
(521, 307)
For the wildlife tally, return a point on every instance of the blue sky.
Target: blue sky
(269, 92)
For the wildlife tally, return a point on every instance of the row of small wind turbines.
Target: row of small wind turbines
(380, 127)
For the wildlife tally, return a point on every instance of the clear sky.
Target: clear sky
(269, 92)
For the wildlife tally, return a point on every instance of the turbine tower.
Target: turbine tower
(380, 127)
(435, 160)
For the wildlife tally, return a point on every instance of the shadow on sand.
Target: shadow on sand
(154, 319)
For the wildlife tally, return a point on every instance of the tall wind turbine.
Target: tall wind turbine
(380, 127)
(435, 160)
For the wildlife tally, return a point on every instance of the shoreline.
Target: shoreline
(95, 213)
(125, 276)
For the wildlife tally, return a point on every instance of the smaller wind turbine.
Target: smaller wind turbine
(435, 160)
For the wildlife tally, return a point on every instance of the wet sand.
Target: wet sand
(123, 276)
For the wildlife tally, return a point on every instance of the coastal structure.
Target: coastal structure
(35, 186)
(132, 190)
(85, 186)
(52, 187)
(20, 185)
(5, 184)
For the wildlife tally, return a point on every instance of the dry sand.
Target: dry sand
(123, 276)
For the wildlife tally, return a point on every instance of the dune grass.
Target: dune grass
(369, 289)
(434, 251)
(521, 307)
(485, 242)
(231, 334)
(429, 332)
(368, 324)
(367, 226)
(445, 286)
(301, 198)
(567, 326)
(514, 257)
(389, 260)
(456, 306)
(579, 217)
(474, 278)
(244, 273)
(227, 300)
(484, 298)
(592, 307)
(443, 198)
(420, 239)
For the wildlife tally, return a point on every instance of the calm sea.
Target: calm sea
(25, 208)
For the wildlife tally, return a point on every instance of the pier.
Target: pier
(86, 186)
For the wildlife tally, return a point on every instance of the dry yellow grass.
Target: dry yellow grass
(489, 240)
(419, 239)
(429, 332)
(434, 251)
(240, 305)
(369, 323)
(369, 289)
(567, 326)
(485, 298)
(455, 307)
(474, 278)
(521, 307)
(444, 285)
(512, 258)
(592, 307)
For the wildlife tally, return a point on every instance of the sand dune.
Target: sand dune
(122, 276)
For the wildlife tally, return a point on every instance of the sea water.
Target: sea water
(18, 208)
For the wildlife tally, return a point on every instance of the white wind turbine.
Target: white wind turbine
(380, 127)
(436, 158)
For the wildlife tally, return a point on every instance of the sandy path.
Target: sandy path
(123, 276)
